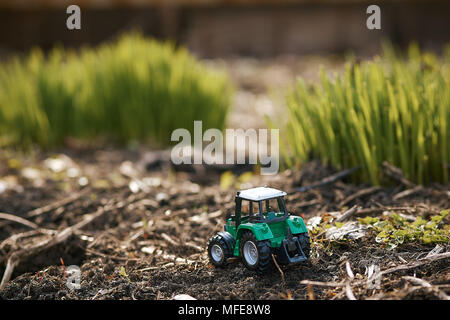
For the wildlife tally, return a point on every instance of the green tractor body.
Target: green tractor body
(260, 227)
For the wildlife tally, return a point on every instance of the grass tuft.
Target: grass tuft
(133, 89)
(389, 109)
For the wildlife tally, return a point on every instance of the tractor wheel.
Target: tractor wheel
(218, 251)
(255, 254)
(304, 242)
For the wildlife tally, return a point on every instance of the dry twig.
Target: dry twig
(56, 204)
(279, 269)
(347, 214)
(104, 255)
(359, 194)
(428, 287)
(13, 238)
(194, 246)
(416, 264)
(331, 179)
(60, 237)
(407, 192)
(322, 284)
(169, 239)
(25, 222)
(396, 174)
(307, 203)
(310, 292)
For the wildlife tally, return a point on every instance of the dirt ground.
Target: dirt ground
(149, 237)
(151, 221)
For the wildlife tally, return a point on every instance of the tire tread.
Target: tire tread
(217, 239)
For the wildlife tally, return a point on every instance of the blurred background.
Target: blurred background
(222, 28)
(138, 69)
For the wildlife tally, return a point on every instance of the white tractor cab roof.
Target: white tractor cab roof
(260, 193)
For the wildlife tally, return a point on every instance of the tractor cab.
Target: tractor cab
(260, 205)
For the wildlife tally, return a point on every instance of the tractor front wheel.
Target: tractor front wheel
(255, 254)
(218, 251)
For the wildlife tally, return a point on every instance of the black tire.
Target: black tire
(264, 259)
(218, 240)
(303, 238)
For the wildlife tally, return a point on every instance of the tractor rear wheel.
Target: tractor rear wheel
(303, 238)
(255, 254)
(218, 251)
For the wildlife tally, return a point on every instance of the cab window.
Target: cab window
(249, 208)
(245, 208)
(272, 205)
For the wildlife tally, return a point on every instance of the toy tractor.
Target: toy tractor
(261, 226)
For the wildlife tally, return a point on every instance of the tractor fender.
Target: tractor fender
(228, 238)
(260, 230)
(296, 224)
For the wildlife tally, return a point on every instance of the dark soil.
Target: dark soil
(151, 244)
